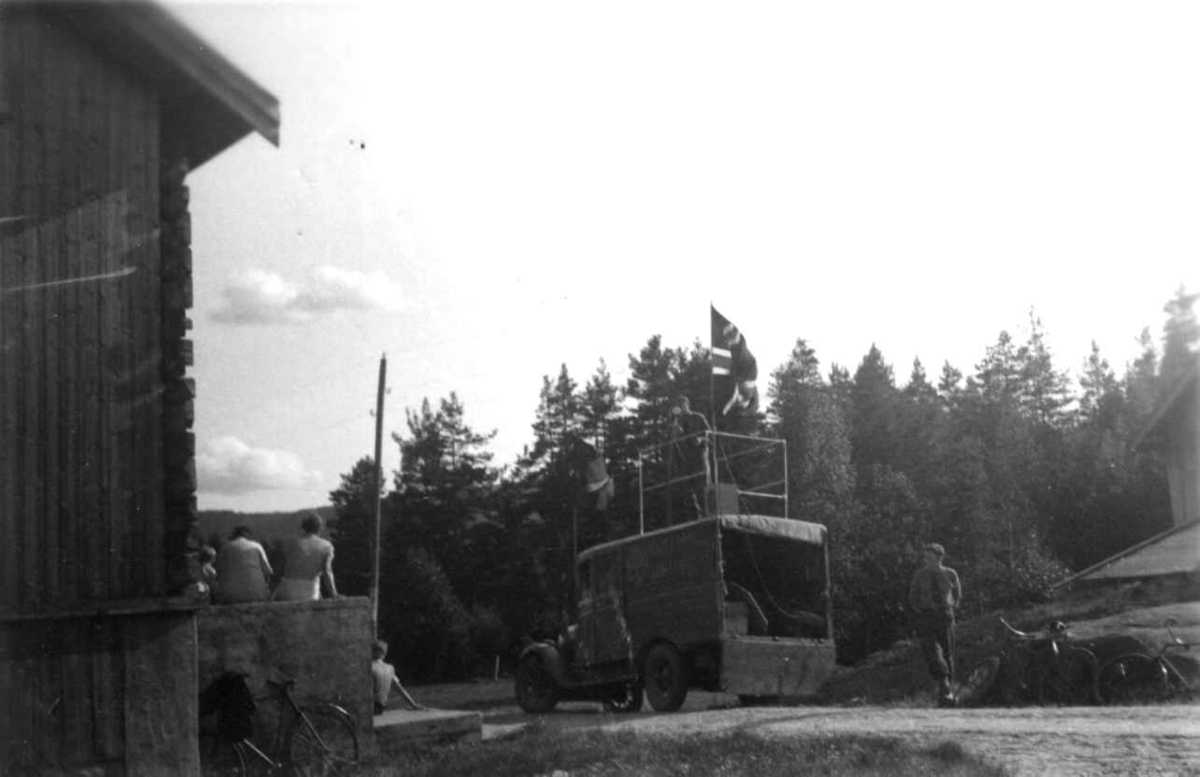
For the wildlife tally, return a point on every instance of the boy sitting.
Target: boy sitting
(385, 677)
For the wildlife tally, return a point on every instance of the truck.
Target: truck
(733, 600)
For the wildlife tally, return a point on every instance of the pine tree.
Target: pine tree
(653, 391)
(1043, 389)
(873, 412)
(599, 407)
(351, 531)
(920, 419)
(445, 494)
(1181, 339)
(999, 374)
(650, 391)
(1102, 395)
(560, 417)
(607, 429)
(842, 387)
(549, 475)
(1141, 379)
(807, 416)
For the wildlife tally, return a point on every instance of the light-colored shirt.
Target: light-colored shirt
(305, 560)
(384, 675)
(242, 572)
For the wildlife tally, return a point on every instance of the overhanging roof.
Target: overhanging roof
(207, 104)
(1173, 552)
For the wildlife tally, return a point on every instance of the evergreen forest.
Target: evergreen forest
(1024, 469)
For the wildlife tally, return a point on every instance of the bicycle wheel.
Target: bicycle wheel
(221, 758)
(1069, 679)
(321, 740)
(979, 682)
(1133, 678)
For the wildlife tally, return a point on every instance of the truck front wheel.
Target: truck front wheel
(536, 690)
(665, 676)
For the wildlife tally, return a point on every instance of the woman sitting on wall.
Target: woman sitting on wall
(242, 569)
(306, 560)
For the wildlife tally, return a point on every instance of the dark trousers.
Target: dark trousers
(935, 630)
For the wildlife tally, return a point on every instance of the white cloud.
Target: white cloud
(227, 465)
(335, 288)
(258, 297)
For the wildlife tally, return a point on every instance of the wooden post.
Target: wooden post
(375, 519)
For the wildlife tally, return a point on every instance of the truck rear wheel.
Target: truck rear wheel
(537, 692)
(665, 677)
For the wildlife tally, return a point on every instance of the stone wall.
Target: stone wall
(324, 645)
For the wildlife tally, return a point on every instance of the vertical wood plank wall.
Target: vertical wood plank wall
(81, 424)
(97, 478)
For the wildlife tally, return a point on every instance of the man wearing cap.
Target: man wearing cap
(934, 594)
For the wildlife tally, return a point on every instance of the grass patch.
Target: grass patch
(542, 752)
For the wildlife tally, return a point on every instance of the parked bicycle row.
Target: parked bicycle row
(1052, 667)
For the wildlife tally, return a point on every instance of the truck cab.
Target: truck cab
(732, 601)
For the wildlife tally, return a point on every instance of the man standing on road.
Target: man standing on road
(934, 594)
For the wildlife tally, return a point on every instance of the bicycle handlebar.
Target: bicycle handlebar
(1055, 631)
(1014, 631)
(1176, 641)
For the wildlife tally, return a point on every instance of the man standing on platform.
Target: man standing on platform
(691, 448)
(934, 594)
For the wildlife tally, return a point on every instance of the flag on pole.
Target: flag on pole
(735, 371)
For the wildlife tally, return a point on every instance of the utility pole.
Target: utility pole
(375, 518)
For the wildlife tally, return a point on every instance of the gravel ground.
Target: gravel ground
(1028, 741)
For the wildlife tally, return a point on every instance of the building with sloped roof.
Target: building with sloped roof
(1175, 430)
(104, 108)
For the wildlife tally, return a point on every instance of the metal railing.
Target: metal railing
(711, 463)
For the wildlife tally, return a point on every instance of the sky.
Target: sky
(487, 191)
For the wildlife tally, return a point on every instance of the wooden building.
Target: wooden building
(104, 107)
(1175, 429)
(1174, 554)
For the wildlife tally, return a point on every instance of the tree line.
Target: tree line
(1022, 472)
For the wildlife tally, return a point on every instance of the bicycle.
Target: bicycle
(1141, 677)
(319, 739)
(1041, 667)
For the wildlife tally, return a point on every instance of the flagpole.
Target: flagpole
(375, 516)
(712, 384)
(711, 452)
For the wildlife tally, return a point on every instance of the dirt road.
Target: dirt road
(1028, 741)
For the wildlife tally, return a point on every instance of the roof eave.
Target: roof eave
(192, 77)
(192, 57)
(1124, 553)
